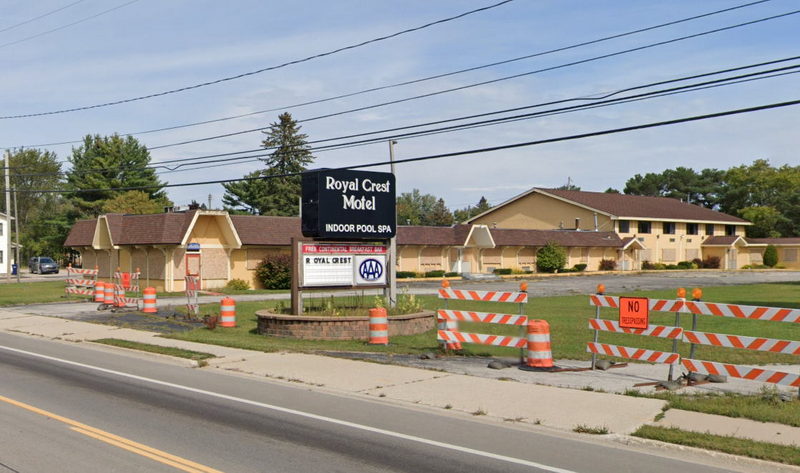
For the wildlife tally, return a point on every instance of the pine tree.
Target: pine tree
(103, 166)
(276, 194)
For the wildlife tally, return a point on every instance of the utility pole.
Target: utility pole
(7, 169)
(16, 228)
(390, 293)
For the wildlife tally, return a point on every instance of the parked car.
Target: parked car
(42, 265)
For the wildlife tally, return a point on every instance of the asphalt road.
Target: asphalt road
(75, 408)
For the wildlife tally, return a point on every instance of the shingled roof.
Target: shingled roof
(266, 230)
(645, 207)
(516, 237)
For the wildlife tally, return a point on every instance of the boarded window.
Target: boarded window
(431, 257)
(492, 256)
(646, 255)
(584, 255)
(756, 258)
(527, 256)
(790, 255)
(692, 253)
(668, 254)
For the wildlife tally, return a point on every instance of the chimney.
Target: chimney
(577, 223)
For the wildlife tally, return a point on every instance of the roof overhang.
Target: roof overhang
(479, 236)
(739, 241)
(102, 228)
(225, 224)
(633, 244)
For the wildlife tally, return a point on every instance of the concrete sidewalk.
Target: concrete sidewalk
(503, 398)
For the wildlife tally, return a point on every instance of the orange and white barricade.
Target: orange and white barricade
(744, 372)
(227, 312)
(192, 288)
(81, 281)
(149, 300)
(451, 337)
(124, 283)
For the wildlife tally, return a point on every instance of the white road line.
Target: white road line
(307, 415)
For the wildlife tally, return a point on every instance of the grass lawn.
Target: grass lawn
(735, 446)
(35, 293)
(568, 318)
(170, 351)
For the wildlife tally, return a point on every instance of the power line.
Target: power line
(477, 84)
(596, 102)
(424, 79)
(11, 43)
(464, 152)
(9, 28)
(259, 71)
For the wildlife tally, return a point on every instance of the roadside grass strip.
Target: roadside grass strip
(38, 292)
(735, 446)
(764, 407)
(170, 351)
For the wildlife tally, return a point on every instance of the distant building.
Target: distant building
(6, 258)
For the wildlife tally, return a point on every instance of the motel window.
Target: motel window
(644, 227)
(730, 230)
(710, 229)
(668, 228)
(691, 229)
(624, 226)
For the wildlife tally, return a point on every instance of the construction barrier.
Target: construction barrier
(773, 314)
(124, 283)
(539, 353)
(696, 338)
(81, 285)
(192, 288)
(227, 312)
(451, 337)
(149, 300)
(675, 332)
(378, 326)
(108, 294)
(99, 291)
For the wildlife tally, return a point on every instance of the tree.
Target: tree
(551, 258)
(415, 208)
(104, 166)
(135, 202)
(770, 257)
(682, 183)
(276, 194)
(766, 221)
(462, 215)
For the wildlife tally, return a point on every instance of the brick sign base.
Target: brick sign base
(339, 328)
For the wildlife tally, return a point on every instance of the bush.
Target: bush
(502, 271)
(711, 262)
(697, 262)
(770, 257)
(238, 285)
(405, 274)
(275, 271)
(437, 273)
(551, 258)
(450, 275)
(607, 265)
(672, 266)
(648, 265)
(580, 267)
(686, 265)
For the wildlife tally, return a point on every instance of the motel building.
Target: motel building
(591, 226)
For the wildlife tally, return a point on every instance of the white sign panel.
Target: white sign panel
(343, 264)
(327, 270)
(370, 269)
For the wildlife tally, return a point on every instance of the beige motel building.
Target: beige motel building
(591, 226)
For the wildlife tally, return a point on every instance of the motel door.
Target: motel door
(193, 264)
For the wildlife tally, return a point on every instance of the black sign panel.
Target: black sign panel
(345, 204)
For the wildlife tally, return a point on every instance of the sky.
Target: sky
(63, 54)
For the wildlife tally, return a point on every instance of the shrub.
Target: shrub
(672, 266)
(450, 275)
(607, 265)
(697, 262)
(436, 273)
(405, 274)
(275, 271)
(580, 267)
(686, 265)
(711, 262)
(238, 285)
(648, 265)
(770, 257)
(502, 271)
(551, 258)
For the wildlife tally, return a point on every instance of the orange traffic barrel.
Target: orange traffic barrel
(149, 300)
(378, 326)
(119, 296)
(99, 291)
(227, 312)
(108, 293)
(539, 354)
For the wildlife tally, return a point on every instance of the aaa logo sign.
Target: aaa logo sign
(634, 312)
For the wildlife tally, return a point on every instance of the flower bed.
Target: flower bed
(339, 328)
